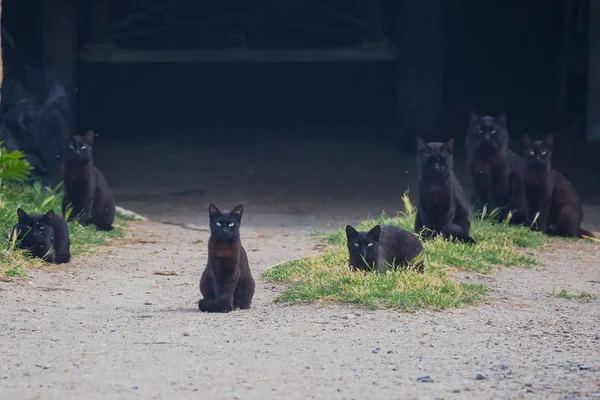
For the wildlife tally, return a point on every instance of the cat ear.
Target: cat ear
(237, 212)
(501, 119)
(526, 142)
(49, 215)
(421, 145)
(473, 117)
(21, 214)
(549, 141)
(66, 138)
(374, 233)
(88, 138)
(350, 232)
(449, 145)
(213, 211)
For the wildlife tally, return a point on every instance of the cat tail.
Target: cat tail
(583, 233)
(220, 305)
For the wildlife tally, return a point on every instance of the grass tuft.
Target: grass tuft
(326, 277)
(582, 296)
(37, 198)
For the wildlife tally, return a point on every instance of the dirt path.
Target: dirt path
(107, 327)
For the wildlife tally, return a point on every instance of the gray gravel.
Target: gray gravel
(107, 327)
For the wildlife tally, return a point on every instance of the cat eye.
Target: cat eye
(83, 147)
(481, 131)
(532, 153)
(370, 244)
(218, 224)
(71, 146)
(356, 244)
(231, 224)
(543, 153)
(492, 132)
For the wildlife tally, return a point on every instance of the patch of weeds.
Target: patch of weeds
(326, 277)
(37, 198)
(564, 293)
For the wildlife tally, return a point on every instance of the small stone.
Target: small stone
(393, 331)
(528, 385)
(390, 352)
(480, 377)
(147, 303)
(339, 390)
(585, 367)
(455, 391)
(376, 350)
(135, 387)
(529, 390)
(186, 334)
(349, 316)
(425, 379)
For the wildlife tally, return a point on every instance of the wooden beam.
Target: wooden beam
(97, 54)
(593, 100)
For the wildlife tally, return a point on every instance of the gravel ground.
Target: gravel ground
(114, 329)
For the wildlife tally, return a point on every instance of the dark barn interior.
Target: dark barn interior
(306, 134)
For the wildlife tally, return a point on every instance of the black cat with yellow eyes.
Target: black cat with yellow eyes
(383, 247)
(226, 283)
(553, 206)
(496, 171)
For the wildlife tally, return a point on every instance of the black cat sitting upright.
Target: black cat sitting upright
(496, 171)
(45, 236)
(226, 283)
(382, 247)
(553, 206)
(442, 208)
(87, 193)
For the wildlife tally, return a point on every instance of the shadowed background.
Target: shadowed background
(310, 139)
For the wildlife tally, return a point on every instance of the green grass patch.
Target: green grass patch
(36, 198)
(583, 296)
(326, 277)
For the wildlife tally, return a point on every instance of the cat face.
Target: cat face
(435, 156)
(363, 246)
(225, 225)
(79, 148)
(488, 131)
(34, 227)
(538, 153)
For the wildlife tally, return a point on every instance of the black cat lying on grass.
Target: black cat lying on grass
(382, 247)
(553, 206)
(442, 208)
(226, 283)
(496, 171)
(44, 236)
(86, 191)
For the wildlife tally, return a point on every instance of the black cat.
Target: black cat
(550, 194)
(442, 207)
(86, 191)
(496, 171)
(45, 236)
(382, 247)
(226, 283)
